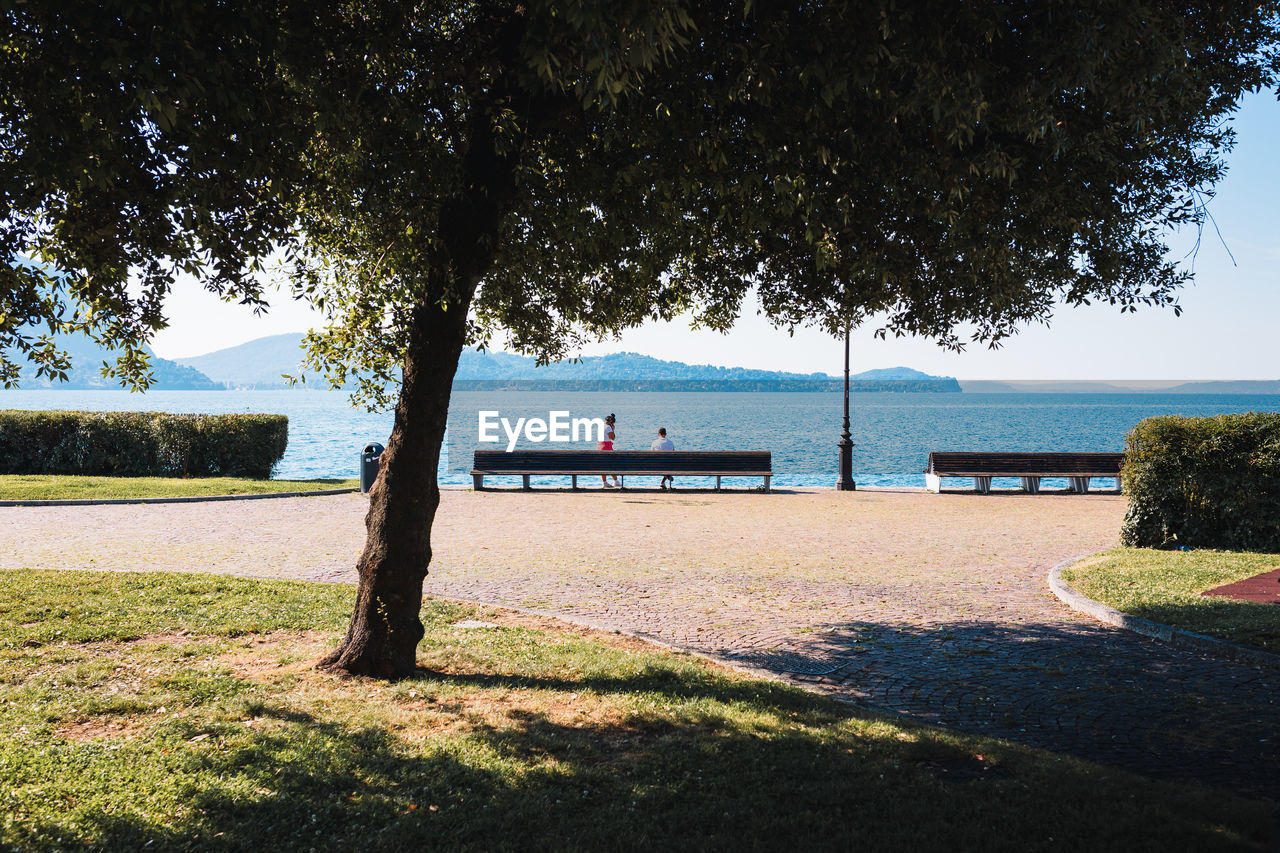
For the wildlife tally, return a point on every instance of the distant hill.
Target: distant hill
(1119, 386)
(898, 373)
(261, 363)
(1238, 386)
(86, 363)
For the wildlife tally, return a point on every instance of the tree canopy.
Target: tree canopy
(963, 165)
(437, 173)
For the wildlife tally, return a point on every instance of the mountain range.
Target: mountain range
(261, 363)
(86, 370)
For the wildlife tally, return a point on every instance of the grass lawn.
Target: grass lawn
(1165, 587)
(182, 712)
(46, 487)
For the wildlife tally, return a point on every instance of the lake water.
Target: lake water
(893, 433)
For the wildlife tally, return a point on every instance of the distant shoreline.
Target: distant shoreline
(944, 386)
(1120, 386)
(860, 386)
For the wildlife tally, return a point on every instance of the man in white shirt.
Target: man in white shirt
(663, 443)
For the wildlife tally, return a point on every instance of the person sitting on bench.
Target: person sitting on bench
(664, 443)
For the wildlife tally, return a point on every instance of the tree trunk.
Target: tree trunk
(384, 632)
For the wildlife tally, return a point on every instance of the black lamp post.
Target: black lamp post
(845, 482)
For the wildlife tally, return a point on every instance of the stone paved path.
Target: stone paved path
(933, 606)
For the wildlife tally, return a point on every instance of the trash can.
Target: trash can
(369, 465)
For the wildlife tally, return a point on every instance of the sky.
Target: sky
(1229, 328)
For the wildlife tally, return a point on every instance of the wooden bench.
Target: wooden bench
(1078, 468)
(653, 463)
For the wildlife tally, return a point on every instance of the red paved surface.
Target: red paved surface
(1263, 589)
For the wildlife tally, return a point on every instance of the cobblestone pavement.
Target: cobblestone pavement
(932, 606)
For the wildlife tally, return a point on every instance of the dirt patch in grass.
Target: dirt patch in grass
(261, 657)
(571, 716)
(96, 729)
(162, 638)
(965, 768)
(534, 622)
(265, 658)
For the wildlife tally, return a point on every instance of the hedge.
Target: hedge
(1204, 483)
(141, 444)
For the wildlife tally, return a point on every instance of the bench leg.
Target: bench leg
(622, 481)
(933, 483)
(574, 478)
(1080, 485)
(717, 483)
(982, 485)
(766, 484)
(1031, 485)
(525, 477)
(477, 482)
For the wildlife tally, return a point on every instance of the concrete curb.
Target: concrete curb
(1165, 633)
(183, 500)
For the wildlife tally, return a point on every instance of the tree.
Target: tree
(441, 172)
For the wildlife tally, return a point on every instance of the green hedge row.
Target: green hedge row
(141, 444)
(1204, 483)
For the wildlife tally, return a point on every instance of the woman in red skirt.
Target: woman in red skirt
(610, 436)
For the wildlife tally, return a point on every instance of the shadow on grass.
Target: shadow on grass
(671, 685)
(1251, 623)
(737, 765)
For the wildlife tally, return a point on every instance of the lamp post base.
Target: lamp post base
(844, 483)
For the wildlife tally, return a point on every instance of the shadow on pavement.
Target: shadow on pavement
(1089, 690)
